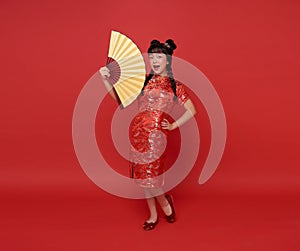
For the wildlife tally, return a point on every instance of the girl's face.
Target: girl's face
(158, 63)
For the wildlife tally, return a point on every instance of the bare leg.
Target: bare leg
(151, 205)
(152, 209)
(165, 206)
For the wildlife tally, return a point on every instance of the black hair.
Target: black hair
(166, 48)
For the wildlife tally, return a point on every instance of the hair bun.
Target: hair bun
(171, 43)
(153, 42)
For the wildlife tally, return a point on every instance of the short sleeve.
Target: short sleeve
(181, 93)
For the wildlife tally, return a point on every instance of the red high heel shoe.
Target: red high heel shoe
(150, 225)
(170, 218)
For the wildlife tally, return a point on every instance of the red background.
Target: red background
(248, 49)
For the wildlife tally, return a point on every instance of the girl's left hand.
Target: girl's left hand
(165, 124)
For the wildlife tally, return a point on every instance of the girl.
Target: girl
(149, 128)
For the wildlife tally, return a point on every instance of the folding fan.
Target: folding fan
(127, 67)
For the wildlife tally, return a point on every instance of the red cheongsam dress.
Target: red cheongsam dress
(147, 138)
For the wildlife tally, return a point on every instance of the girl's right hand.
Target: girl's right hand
(104, 72)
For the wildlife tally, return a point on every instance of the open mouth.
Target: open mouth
(156, 67)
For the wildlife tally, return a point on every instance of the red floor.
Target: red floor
(93, 220)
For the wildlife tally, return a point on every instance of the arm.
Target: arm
(189, 113)
(104, 73)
